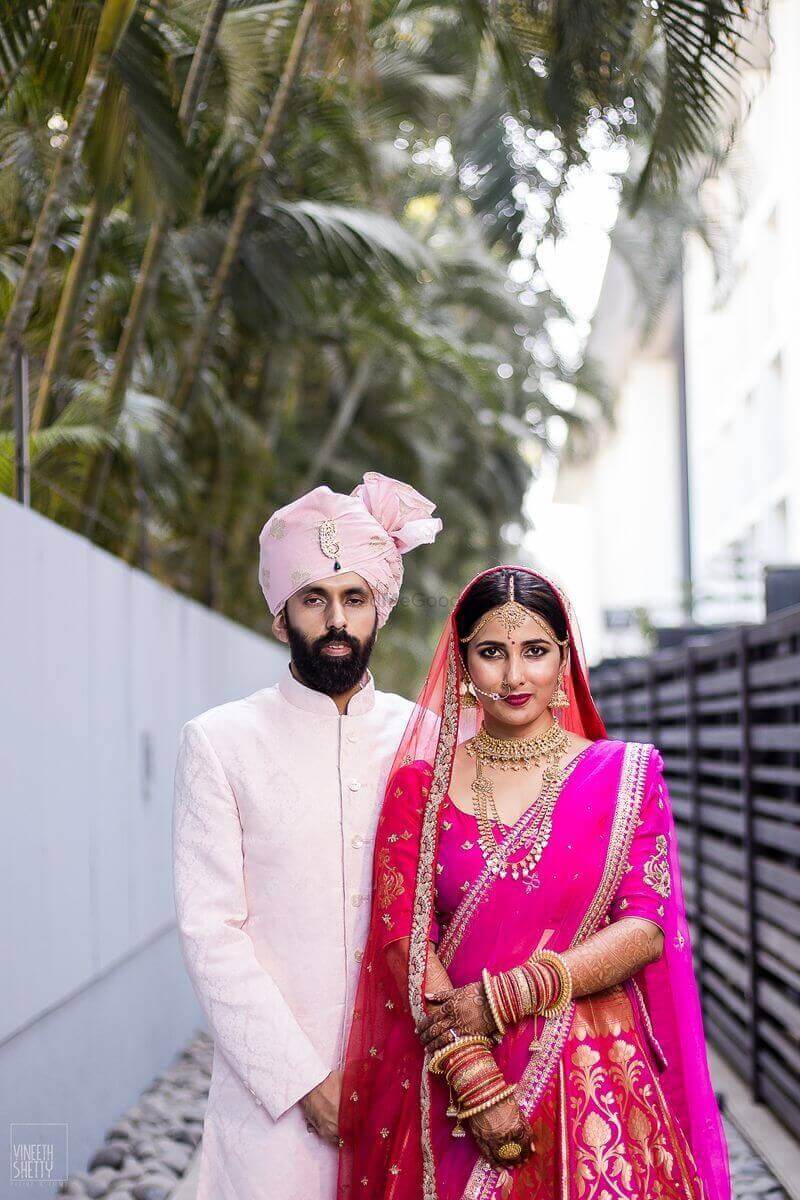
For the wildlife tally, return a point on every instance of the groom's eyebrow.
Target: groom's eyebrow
(314, 590)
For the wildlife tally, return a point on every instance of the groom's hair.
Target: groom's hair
(492, 590)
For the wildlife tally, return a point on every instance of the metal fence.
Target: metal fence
(725, 713)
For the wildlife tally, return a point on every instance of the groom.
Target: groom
(276, 803)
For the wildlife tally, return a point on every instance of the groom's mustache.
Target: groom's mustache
(338, 639)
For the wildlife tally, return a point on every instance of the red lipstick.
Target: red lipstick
(518, 700)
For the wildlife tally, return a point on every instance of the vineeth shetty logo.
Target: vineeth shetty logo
(38, 1153)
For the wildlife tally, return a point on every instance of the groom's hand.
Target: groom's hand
(321, 1107)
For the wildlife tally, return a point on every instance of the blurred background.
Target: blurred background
(539, 258)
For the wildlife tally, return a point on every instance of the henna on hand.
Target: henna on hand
(498, 1125)
(613, 954)
(465, 1010)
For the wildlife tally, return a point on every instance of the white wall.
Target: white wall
(101, 666)
(612, 532)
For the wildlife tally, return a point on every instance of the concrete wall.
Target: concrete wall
(101, 667)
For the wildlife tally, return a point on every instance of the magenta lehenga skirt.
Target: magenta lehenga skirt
(604, 1130)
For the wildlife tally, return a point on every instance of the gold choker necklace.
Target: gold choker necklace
(518, 754)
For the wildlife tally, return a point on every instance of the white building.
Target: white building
(625, 522)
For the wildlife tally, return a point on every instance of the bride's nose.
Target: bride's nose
(514, 676)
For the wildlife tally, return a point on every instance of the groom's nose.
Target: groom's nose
(336, 617)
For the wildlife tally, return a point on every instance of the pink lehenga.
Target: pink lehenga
(616, 1089)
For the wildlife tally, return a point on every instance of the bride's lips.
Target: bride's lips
(337, 650)
(518, 701)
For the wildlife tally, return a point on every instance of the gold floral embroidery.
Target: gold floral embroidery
(300, 576)
(277, 528)
(656, 869)
(624, 1141)
(390, 883)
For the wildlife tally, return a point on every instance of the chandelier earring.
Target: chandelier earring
(466, 693)
(560, 699)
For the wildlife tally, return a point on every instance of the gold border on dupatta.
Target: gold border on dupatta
(483, 1180)
(423, 896)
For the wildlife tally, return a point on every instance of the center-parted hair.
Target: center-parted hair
(491, 590)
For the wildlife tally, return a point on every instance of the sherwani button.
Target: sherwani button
(352, 737)
(358, 955)
(357, 841)
(354, 785)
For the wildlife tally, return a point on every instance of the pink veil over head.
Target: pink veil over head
(381, 1126)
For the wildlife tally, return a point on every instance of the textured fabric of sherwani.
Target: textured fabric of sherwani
(276, 803)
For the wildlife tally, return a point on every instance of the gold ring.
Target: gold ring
(509, 1150)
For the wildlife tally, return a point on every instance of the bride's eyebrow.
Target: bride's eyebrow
(539, 641)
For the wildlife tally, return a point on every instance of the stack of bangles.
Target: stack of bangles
(472, 1074)
(542, 987)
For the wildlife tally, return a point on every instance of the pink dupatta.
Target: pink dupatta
(397, 1141)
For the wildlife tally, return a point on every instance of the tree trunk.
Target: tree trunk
(204, 326)
(150, 270)
(113, 22)
(60, 344)
(345, 415)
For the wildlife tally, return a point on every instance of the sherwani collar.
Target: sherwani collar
(300, 696)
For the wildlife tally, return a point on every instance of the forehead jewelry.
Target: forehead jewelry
(511, 616)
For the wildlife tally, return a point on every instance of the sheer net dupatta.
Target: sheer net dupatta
(382, 1117)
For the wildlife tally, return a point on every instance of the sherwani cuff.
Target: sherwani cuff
(303, 1079)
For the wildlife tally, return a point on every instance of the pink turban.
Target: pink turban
(325, 532)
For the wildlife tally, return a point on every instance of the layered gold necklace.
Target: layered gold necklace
(517, 754)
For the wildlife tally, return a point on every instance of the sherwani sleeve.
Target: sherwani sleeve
(251, 1022)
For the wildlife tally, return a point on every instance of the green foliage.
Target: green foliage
(370, 306)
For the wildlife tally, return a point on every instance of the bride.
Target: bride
(527, 1022)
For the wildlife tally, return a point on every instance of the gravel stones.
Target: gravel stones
(148, 1149)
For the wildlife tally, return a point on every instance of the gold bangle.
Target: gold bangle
(478, 1108)
(487, 987)
(564, 977)
(472, 1039)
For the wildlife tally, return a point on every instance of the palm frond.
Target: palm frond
(349, 238)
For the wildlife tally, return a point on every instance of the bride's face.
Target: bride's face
(522, 666)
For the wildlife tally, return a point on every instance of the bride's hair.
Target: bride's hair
(491, 590)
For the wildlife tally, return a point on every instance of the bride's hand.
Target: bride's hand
(502, 1125)
(465, 1009)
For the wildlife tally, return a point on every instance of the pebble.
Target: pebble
(148, 1148)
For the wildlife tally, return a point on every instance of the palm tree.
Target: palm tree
(203, 329)
(363, 313)
(114, 18)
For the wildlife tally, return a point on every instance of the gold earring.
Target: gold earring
(560, 699)
(468, 697)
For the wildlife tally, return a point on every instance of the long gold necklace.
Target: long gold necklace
(514, 754)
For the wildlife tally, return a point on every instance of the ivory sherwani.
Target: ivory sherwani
(276, 804)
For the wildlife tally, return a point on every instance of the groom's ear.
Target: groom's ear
(279, 627)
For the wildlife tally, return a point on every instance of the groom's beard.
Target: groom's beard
(323, 673)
